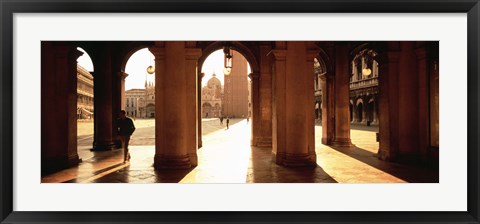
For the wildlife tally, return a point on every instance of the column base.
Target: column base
(103, 146)
(172, 162)
(342, 142)
(193, 159)
(326, 141)
(296, 160)
(73, 160)
(261, 142)
(52, 165)
(385, 155)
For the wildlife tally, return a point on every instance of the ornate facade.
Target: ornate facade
(140, 103)
(363, 89)
(84, 93)
(212, 95)
(135, 103)
(231, 99)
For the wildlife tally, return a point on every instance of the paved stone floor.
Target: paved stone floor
(226, 157)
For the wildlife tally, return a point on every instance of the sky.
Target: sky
(137, 64)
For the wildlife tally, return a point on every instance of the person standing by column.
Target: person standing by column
(125, 128)
(228, 121)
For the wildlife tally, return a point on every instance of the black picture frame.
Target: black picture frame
(10, 7)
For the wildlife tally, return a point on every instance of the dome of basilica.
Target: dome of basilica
(214, 81)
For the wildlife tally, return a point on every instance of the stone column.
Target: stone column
(342, 96)
(263, 136)
(355, 113)
(375, 115)
(104, 119)
(293, 105)
(408, 87)
(388, 103)
(310, 104)
(59, 106)
(255, 119)
(328, 109)
(175, 104)
(194, 120)
(122, 76)
(279, 105)
(365, 112)
(199, 108)
(118, 101)
(423, 102)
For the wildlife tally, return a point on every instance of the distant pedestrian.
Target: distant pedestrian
(221, 120)
(125, 128)
(228, 121)
(248, 117)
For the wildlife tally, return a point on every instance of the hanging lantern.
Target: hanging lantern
(150, 70)
(227, 71)
(228, 60)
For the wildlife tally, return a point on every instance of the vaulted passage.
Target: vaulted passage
(314, 112)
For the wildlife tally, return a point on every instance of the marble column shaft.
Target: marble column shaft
(199, 108)
(263, 123)
(293, 105)
(59, 106)
(175, 105)
(342, 96)
(103, 101)
(328, 108)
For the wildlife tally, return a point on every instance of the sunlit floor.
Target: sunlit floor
(227, 157)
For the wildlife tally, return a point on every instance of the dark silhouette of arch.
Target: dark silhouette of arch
(130, 49)
(360, 112)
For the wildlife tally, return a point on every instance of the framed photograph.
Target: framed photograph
(201, 112)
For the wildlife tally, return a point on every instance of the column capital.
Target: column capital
(421, 53)
(76, 54)
(158, 52)
(66, 51)
(122, 75)
(311, 54)
(254, 75)
(201, 75)
(280, 55)
(193, 53)
(388, 57)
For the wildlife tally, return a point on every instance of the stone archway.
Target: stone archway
(258, 135)
(207, 110)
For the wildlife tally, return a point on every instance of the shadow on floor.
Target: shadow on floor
(360, 127)
(408, 173)
(98, 172)
(263, 170)
(129, 175)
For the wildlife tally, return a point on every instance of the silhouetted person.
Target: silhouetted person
(248, 117)
(125, 128)
(221, 120)
(228, 121)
